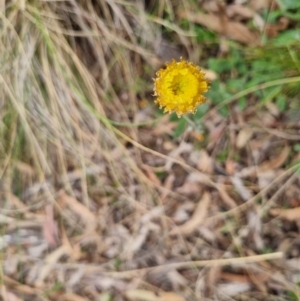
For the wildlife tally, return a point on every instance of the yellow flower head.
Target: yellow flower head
(179, 87)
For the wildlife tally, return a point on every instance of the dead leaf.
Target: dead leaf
(50, 261)
(197, 218)
(50, 228)
(277, 161)
(265, 177)
(293, 263)
(216, 132)
(205, 162)
(150, 174)
(288, 214)
(177, 279)
(210, 74)
(144, 295)
(182, 214)
(235, 277)
(243, 137)
(233, 30)
(244, 278)
(182, 148)
(272, 30)
(68, 297)
(260, 4)
(170, 296)
(73, 250)
(164, 126)
(168, 184)
(234, 288)
(212, 278)
(243, 191)
(78, 208)
(239, 10)
(189, 188)
(8, 296)
(21, 288)
(230, 166)
(228, 201)
(273, 108)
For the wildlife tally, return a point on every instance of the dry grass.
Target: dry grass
(98, 202)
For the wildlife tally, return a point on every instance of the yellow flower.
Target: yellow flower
(179, 87)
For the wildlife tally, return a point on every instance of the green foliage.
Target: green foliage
(292, 296)
(222, 156)
(287, 37)
(181, 126)
(204, 35)
(281, 58)
(297, 147)
(281, 102)
(218, 92)
(288, 4)
(57, 287)
(201, 111)
(287, 8)
(267, 250)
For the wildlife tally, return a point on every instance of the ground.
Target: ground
(105, 197)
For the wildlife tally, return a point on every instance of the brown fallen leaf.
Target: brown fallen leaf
(73, 250)
(216, 132)
(164, 126)
(243, 278)
(243, 191)
(50, 228)
(79, 209)
(150, 174)
(293, 263)
(21, 288)
(233, 30)
(189, 188)
(197, 218)
(230, 166)
(258, 5)
(168, 184)
(277, 161)
(212, 278)
(68, 297)
(289, 214)
(50, 261)
(235, 277)
(227, 200)
(210, 74)
(272, 30)
(205, 162)
(239, 10)
(170, 296)
(243, 137)
(8, 296)
(144, 295)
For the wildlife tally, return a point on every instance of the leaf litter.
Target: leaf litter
(177, 229)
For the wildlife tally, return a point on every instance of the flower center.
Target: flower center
(178, 84)
(184, 86)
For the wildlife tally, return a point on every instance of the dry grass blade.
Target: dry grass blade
(202, 263)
